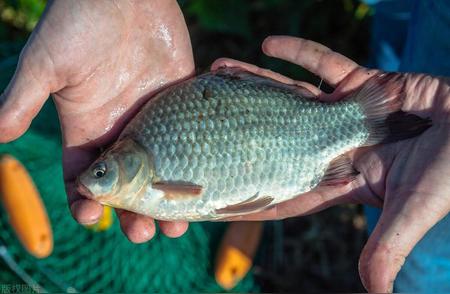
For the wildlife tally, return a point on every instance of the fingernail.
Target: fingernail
(78, 209)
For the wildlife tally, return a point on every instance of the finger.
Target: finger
(22, 99)
(401, 225)
(84, 211)
(138, 228)
(173, 229)
(304, 204)
(366, 188)
(227, 62)
(318, 59)
(75, 160)
(322, 197)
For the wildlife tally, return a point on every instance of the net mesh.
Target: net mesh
(83, 260)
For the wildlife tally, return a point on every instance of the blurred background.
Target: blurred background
(312, 254)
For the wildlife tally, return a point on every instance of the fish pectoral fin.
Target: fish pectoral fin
(178, 189)
(340, 171)
(253, 204)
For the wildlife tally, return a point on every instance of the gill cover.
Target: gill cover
(119, 175)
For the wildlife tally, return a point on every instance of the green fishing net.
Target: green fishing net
(87, 261)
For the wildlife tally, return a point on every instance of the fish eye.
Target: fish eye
(99, 170)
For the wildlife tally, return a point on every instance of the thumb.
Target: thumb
(24, 96)
(401, 226)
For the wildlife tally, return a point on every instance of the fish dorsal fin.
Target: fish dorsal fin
(237, 73)
(178, 189)
(340, 171)
(253, 204)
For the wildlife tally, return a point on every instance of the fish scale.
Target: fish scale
(230, 142)
(270, 130)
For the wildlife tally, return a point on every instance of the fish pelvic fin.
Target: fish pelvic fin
(253, 204)
(381, 99)
(340, 171)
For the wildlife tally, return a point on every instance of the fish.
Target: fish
(229, 143)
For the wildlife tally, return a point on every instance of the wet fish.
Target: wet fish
(229, 143)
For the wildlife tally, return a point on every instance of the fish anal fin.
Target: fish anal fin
(340, 172)
(252, 204)
(178, 189)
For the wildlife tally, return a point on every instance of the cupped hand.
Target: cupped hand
(100, 60)
(408, 179)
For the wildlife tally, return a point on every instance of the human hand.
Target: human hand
(408, 179)
(100, 60)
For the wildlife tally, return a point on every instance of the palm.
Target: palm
(408, 179)
(100, 60)
(415, 192)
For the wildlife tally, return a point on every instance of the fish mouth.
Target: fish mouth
(83, 190)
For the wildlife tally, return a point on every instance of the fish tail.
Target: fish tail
(381, 99)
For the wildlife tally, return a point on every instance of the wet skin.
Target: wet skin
(408, 179)
(100, 60)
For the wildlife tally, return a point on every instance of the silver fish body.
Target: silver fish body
(240, 142)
